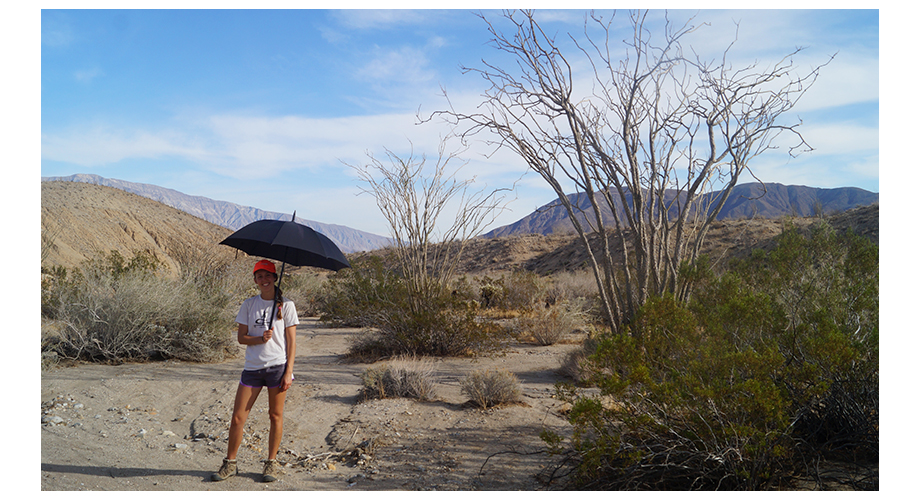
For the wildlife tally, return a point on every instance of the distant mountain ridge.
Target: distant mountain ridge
(231, 215)
(746, 200)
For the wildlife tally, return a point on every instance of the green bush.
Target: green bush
(441, 332)
(368, 295)
(826, 288)
(772, 366)
(359, 295)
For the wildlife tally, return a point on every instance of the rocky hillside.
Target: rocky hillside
(564, 251)
(232, 215)
(746, 200)
(81, 221)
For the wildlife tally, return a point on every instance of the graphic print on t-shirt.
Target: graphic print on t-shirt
(262, 321)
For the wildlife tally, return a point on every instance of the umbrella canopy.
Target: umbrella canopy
(289, 242)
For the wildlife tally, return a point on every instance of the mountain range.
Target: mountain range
(81, 221)
(231, 215)
(746, 200)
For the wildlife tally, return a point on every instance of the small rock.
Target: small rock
(169, 434)
(52, 420)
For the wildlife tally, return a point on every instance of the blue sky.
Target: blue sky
(266, 107)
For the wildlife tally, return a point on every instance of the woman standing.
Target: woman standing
(269, 363)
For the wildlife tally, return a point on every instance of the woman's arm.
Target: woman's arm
(290, 348)
(245, 339)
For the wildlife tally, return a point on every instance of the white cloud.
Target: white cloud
(863, 167)
(405, 66)
(379, 19)
(332, 35)
(572, 17)
(233, 145)
(848, 79)
(87, 75)
(437, 42)
(841, 138)
(102, 145)
(55, 29)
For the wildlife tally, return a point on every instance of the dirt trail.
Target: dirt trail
(163, 426)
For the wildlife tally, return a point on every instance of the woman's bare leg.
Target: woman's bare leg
(243, 402)
(276, 419)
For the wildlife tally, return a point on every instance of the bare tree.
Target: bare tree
(416, 201)
(660, 131)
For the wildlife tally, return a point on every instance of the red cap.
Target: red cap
(265, 265)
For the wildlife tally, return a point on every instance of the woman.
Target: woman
(269, 362)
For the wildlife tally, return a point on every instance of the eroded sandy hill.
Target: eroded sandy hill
(80, 221)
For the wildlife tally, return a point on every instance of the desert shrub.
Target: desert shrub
(369, 295)
(550, 324)
(523, 290)
(573, 286)
(492, 292)
(488, 388)
(357, 296)
(113, 310)
(442, 332)
(58, 281)
(772, 366)
(402, 377)
(518, 290)
(573, 364)
(304, 287)
(466, 290)
(694, 413)
(825, 286)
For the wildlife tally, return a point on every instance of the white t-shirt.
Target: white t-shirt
(254, 313)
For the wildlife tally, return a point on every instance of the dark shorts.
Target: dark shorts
(267, 377)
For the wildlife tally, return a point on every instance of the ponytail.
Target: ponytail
(279, 301)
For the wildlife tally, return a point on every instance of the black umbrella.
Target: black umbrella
(289, 242)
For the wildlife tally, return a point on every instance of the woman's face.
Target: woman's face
(264, 280)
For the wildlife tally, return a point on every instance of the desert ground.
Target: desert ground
(164, 425)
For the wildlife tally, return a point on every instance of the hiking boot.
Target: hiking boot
(271, 471)
(228, 469)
